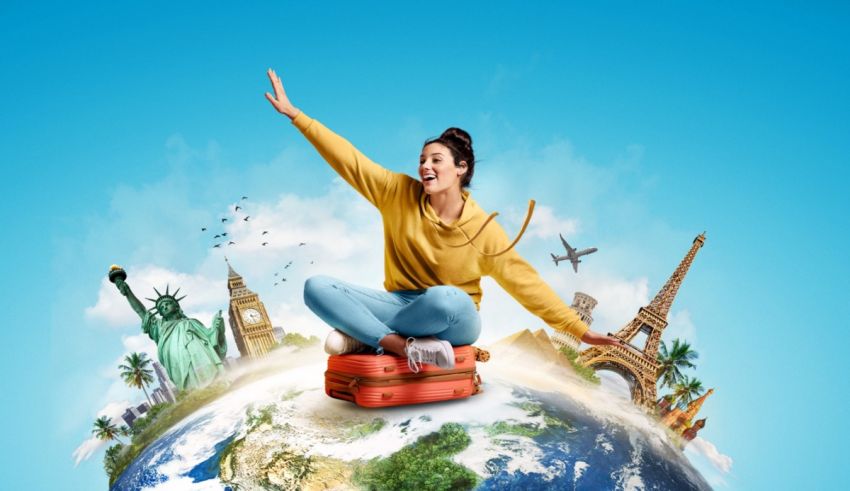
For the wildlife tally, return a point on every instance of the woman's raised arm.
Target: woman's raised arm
(371, 180)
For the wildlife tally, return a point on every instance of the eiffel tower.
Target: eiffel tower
(638, 365)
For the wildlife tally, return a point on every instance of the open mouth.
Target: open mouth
(429, 178)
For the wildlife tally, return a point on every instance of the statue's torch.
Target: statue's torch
(116, 273)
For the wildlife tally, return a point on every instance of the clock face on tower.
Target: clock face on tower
(251, 316)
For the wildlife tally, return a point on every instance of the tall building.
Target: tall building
(158, 396)
(133, 413)
(583, 304)
(166, 386)
(249, 320)
(691, 432)
(636, 359)
(678, 420)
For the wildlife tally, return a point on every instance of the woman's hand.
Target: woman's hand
(591, 337)
(279, 100)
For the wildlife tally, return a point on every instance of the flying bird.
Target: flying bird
(275, 274)
(223, 220)
(203, 229)
(275, 284)
(237, 208)
(264, 232)
(311, 262)
(216, 236)
(224, 234)
(265, 243)
(217, 245)
(301, 244)
(246, 218)
(231, 243)
(244, 197)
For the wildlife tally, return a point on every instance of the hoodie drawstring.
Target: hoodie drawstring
(489, 219)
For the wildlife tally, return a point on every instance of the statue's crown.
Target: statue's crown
(162, 296)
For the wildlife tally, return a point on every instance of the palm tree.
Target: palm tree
(110, 458)
(670, 362)
(136, 372)
(105, 430)
(687, 390)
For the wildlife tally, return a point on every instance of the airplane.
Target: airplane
(572, 255)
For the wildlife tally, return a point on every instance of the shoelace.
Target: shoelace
(414, 355)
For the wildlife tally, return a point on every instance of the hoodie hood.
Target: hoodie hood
(470, 210)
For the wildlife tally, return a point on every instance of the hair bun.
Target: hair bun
(460, 136)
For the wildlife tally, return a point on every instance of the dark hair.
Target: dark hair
(459, 144)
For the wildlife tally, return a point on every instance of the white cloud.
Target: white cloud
(680, 325)
(339, 230)
(618, 299)
(707, 449)
(113, 310)
(544, 224)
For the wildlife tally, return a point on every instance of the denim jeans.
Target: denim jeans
(368, 315)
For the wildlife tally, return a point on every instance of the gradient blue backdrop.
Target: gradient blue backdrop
(741, 112)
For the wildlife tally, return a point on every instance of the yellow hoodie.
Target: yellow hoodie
(418, 250)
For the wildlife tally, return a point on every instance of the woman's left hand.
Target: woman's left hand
(591, 337)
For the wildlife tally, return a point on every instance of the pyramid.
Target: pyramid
(525, 345)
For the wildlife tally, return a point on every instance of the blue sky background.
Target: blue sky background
(126, 128)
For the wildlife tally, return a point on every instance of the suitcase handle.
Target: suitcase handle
(342, 395)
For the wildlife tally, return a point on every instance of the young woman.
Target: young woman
(438, 243)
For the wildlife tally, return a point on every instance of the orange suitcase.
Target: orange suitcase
(370, 380)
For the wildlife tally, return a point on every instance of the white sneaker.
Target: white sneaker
(429, 350)
(339, 343)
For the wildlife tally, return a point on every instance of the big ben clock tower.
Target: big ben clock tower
(251, 325)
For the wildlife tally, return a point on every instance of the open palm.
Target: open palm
(279, 100)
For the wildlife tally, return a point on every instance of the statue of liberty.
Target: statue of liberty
(191, 354)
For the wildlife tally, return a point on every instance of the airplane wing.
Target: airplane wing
(569, 249)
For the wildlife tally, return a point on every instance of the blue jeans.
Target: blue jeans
(368, 315)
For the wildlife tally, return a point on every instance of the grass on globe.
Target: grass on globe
(584, 372)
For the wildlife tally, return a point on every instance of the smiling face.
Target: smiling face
(437, 169)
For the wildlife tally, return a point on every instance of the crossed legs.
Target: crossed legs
(384, 320)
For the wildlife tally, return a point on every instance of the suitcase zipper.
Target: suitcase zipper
(353, 382)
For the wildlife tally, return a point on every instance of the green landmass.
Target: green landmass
(291, 394)
(363, 429)
(425, 464)
(297, 340)
(584, 372)
(531, 430)
(257, 417)
(536, 409)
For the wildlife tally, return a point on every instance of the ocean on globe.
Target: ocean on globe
(535, 426)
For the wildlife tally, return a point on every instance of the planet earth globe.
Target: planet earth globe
(536, 425)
